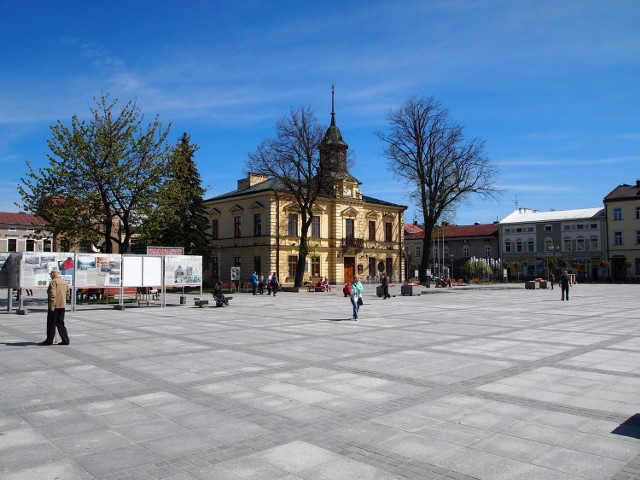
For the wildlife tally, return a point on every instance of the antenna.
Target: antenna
(333, 89)
(515, 201)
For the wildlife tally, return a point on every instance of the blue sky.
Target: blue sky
(552, 87)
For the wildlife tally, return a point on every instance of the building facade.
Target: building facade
(23, 232)
(622, 212)
(452, 246)
(256, 228)
(535, 243)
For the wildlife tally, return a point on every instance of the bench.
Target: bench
(201, 303)
(315, 288)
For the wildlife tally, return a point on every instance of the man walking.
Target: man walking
(57, 300)
(564, 284)
(274, 283)
(385, 286)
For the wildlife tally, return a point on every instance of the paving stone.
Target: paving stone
(485, 383)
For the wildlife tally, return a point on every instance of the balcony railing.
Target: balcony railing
(352, 242)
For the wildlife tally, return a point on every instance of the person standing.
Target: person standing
(261, 284)
(385, 286)
(564, 284)
(274, 283)
(551, 279)
(356, 297)
(57, 300)
(254, 283)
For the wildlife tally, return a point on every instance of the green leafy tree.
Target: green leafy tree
(181, 219)
(103, 177)
(441, 168)
(292, 159)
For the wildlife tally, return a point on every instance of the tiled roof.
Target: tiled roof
(460, 231)
(10, 218)
(273, 184)
(526, 215)
(412, 228)
(624, 192)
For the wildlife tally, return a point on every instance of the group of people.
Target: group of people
(258, 282)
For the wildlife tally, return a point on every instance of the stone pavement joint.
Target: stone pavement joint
(491, 383)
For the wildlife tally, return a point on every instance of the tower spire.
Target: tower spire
(333, 114)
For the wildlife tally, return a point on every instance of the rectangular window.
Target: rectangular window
(637, 213)
(567, 245)
(292, 263)
(617, 213)
(388, 232)
(372, 267)
(215, 267)
(315, 226)
(236, 262)
(257, 265)
(418, 250)
(637, 237)
(372, 230)
(617, 238)
(30, 245)
(531, 246)
(593, 242)
(389, 267)
(47, 246)
(315, 266)
(518, 246)
(507, 247)
(349, 227)
(465, 251)
(487, 251)
(237, 227)
(85, 247)
(13, 229)
(292, 229)
(580, 245)
(547, 228)
(580, 226)
(257, 226)
(214, 229)
(12, 245)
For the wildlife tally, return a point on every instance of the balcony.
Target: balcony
(352, 243)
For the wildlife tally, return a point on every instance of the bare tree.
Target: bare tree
(428, 151)
(292, 159)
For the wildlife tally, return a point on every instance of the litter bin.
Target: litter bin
(183, 300)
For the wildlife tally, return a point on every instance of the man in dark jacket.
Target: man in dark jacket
(564, 284)
(385, 286)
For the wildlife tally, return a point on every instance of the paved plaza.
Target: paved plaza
(466, 383)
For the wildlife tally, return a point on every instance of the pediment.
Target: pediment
(214, 212)
(389, 215)
(236, 209)
(349, 212)
(256, 206)
(372, 214)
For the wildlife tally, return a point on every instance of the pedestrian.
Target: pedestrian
(385, 286)
(274, 283)
(254, 283)
(346, 290)
(551, 279)
(57, 300)
(564, 284)
(356, 297)
(261, 284)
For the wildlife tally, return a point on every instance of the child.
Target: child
(346, 290)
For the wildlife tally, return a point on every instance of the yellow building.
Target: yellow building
(622, 212)
(256, 228)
